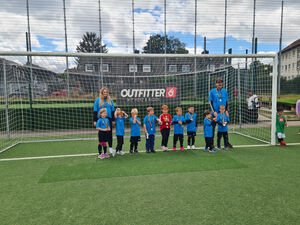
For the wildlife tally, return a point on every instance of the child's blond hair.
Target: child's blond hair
(177, 109)
(134, 111)
(119, 112)
(102, 111)
(149, 109)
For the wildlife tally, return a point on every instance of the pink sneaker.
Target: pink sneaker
(106, 155)
(182, 148)
(101, 156)
(174, 149)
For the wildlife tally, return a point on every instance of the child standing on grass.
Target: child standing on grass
(135, 133)
(280, 124)
(149, 127)
(208, 131)
(120, 130)
(165, 127)
(103, 127)
(222, 120)
(178, 121)
(191, 126)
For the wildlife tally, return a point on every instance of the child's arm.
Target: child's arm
(125, 114)
(106, 129)
(145, 129)
(139, 123)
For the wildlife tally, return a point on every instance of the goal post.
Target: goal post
(42, 100)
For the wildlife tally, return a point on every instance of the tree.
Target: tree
(91, 43)
(156, 44)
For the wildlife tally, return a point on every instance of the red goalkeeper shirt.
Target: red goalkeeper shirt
(165, 124)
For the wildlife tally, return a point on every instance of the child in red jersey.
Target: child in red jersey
(165, 127)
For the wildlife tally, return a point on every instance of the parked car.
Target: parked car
(64, 92)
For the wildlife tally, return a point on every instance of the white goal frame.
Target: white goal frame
(274, 57)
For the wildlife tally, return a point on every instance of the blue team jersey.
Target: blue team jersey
(135, 128)
(109, 106)
(208, 128)
(103, 123)
(178, 129)
(220, 119)
(218, 98)
(191, 127)
(120, 126)
(150, 121)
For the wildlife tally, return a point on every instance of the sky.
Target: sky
(47, 24)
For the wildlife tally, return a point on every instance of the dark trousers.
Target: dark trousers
(165, 133)
(109, 135)
(134, 143)
(209, 142)
(225, 136)
(191, 137)
(150, 142)
(120, 142)
(253, 115)
(175, 139)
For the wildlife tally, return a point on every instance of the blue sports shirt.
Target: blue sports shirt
(218, 98)
(178, 129)
(208, 128)
(108, 106)
(103, 123)
(135, 128)
(120, 126)
(150, 128)
(191, 127)
(220, 119)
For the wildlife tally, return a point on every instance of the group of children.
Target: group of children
(165, 121)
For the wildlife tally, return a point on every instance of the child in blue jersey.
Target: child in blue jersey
(149, 127)
(208, 131)
(135, 133)
(191, 126)
(178, 121)
(103, 127)
(120, 130)
(222, 120)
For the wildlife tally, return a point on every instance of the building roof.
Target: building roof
(291, 46)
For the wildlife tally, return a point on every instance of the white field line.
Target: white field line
(94, 154)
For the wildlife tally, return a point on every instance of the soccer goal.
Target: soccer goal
(43, 100)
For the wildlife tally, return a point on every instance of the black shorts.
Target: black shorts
(102, 136)
(135, 139)
(191, 134)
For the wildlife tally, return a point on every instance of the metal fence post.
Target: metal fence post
(239, 96)
(6, 101)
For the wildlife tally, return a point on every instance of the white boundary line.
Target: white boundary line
(94, 154)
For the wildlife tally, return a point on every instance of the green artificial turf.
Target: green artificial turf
(258, 185)
(244, 186)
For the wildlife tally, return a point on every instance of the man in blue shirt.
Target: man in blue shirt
(217, 97)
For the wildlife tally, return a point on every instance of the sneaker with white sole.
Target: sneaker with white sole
(101, 156)
(193, 147)
(106, 155)
(114, 153)
(188, 147)
(110, 150)
(121, 153)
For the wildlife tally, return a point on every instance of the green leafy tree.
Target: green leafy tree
(156, 45)
(91, 43)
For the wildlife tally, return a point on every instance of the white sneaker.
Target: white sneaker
(188, 147)
(121, 153)
(114, 153)
(193, 147)
(110, 150)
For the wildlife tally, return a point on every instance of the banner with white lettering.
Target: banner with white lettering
(146, 94)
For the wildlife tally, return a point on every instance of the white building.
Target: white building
(290, 61)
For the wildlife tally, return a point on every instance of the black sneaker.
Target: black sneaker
(136, 152)
(153, 151)
(131, 153)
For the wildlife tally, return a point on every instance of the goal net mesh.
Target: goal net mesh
(42, 99)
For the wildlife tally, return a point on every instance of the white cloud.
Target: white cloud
(46, 20)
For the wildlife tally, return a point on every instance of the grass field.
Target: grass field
(258, 185)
